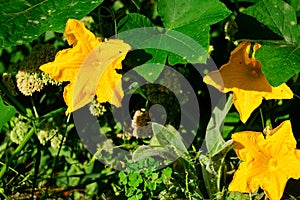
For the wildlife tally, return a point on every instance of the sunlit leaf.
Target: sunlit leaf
(279, 16)
(179, 13)
(166, 143)
(24, 20)
(185, 37)
(280, 62)
(213, 137)
(168, 136)
(213, 169)
(230, 123)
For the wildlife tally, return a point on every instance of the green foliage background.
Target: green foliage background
(61, 167)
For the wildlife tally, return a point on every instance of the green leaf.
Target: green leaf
(166, 143)
(162, 44)
(230, 123)
(192, 18)
(152, 68)
(7, 112)
(252, 1)
(212, 162)
(179, 13)
(145, 152)
(136, 24)
(279, 62)
(185, 38)
(166, 173)
(134, 20)
(24, 20)
(237, 196)
(279, 16)
(134, 179)
(213, 137)
(213, 168)
(168, 136)
(123, 177)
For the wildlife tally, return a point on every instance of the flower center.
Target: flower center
(255, 73)
(272, 164)
(255, 69)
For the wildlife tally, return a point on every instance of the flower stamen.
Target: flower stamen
(272, 164)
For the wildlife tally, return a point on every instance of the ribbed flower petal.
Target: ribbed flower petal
(268, 162)
(250, 146)
(68, 61)
(243, 76)
(90, 67)
(273, 185)
(246, 178)
(246, 102)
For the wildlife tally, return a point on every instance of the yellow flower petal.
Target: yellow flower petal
(243, 76)
(267, 163)
(246, 102)
(282, 138)
(68, 94)
(250, 145)
(98, 76)
(273, 185)
(107, 94)
(283, 142)
(68, 61)
(246, 178)
(84, 64)
(77, 34)
(280, 92)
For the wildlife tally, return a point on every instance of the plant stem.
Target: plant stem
(59, 149)
(17, 150)
(262, 118)
(52, 113)
(297, 96)
(36, 115)
(3, 194)
(16, 103)
(27, 137)
(12, 169)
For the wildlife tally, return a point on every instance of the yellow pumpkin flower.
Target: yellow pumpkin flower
(243, 76)
(266, 162)
(90, 67)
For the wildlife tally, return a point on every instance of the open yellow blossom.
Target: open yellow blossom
(90, 67)
(243, 76)
(267, 162)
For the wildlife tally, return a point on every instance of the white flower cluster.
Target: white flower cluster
(96, 108)
(20, 129)
(52, 135)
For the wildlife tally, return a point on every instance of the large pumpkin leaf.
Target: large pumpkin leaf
(24, 20)
(279, 16)
(179, 13)
(193, 19)
(185, 37)
(162, 44)
(279, 62)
